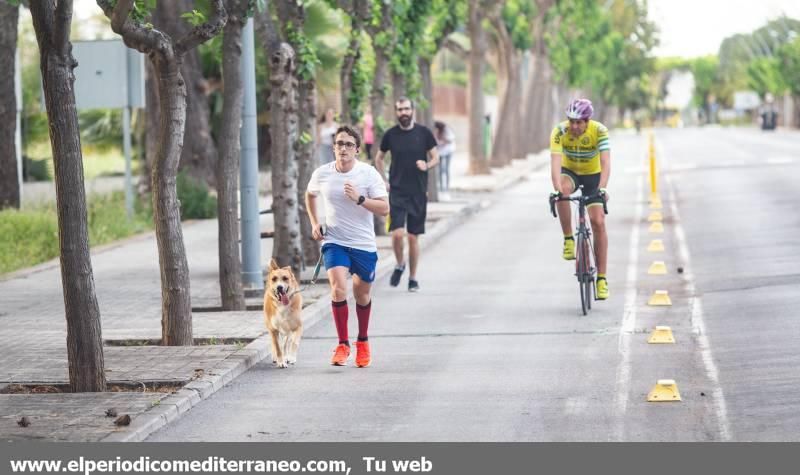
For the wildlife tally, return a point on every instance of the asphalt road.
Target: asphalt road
(494, 347)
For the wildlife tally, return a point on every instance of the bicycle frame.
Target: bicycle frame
(585, 269)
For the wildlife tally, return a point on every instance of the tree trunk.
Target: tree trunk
(166, 56)
(478, 164)
(84, 335)
(9, 180)
(305, 145)
(543, 109)
(199, 155)
(230, 264)
(286, 248)
(399, 85)
(151, 133)
(508, 115)
(352, 55)
(425, 117)
(536, 91)
(176, 303)
(307, 162)
(377, 97)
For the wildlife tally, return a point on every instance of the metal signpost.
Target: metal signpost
(111, 76)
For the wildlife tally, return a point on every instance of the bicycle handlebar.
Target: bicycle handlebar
(579, 198)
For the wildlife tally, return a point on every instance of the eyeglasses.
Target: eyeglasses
(346, 145)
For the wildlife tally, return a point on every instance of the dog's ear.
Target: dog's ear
(273, 265)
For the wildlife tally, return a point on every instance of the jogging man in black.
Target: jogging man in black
(413, 151)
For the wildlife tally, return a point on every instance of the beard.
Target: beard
(404, 120)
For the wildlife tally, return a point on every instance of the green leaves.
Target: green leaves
(517, 16)
(305, 54)
(764, 76)
(604, 50)
(789, 64)
(194, 17)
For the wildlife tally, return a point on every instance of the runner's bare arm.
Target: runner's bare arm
(380, 166)
(433, 157)
(311, 208)
(377, 206)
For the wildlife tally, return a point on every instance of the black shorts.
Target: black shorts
(590, 183)
(408, 212)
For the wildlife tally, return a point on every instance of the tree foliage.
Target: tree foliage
(409, 18)
(705, 72)
(607, 51)
(789, 65)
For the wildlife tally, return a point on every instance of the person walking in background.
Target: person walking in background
(325, 131)
(413, 150)
(446, 146)
(367, 128)
(352, 192)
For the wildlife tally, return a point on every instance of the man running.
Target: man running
(352, 192)
(413, 150)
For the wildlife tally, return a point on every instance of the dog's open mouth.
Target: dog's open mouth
(282, 296)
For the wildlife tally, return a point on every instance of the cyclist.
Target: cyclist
(580, 155)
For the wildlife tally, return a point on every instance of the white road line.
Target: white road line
(681, 167)
(732, 164)
(635, 170)
(698, 324)
(780, 160)
(623, 382)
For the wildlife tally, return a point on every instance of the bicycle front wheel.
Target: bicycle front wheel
(582, 271)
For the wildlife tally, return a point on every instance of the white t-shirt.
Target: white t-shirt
(450, 147)
(347, 223)
(326, 134)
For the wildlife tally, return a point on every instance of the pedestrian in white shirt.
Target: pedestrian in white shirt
(352, 192)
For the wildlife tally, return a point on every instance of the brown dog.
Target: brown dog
(282, 310)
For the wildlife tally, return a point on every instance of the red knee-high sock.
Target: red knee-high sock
(363, 311)
(340, 318)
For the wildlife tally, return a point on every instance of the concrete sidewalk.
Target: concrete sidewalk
(172, 379)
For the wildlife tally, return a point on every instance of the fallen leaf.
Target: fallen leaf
(123, 420)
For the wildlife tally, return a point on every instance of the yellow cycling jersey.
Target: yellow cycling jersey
(580, 154)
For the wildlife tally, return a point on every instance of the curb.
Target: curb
(173, 407)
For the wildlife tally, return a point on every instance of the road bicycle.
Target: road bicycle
(585, 269)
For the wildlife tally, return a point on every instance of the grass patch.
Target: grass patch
(30, 236)
(97, 161)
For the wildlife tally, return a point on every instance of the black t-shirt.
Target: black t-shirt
(408, 146)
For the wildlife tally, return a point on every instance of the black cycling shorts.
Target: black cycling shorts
(590, 183)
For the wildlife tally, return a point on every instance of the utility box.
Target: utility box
(109, 75)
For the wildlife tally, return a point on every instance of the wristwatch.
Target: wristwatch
(361, 200)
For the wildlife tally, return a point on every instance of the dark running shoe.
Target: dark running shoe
(413, 285)
(398, 272)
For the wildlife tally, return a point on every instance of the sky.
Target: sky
(690, 28)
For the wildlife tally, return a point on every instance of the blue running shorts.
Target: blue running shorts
(359, 262)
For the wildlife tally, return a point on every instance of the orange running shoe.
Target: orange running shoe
(363, 357)
(340, 355)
